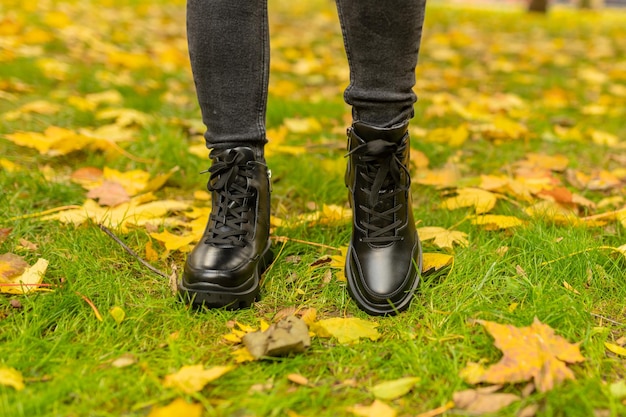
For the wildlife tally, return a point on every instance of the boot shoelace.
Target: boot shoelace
(230, 172)
(383, 176)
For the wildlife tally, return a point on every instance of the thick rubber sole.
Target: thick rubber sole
(379, 309)
(228, 298)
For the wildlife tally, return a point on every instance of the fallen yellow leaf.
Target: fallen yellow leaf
(435, 261)
(174, 242)
(118, 314)
(178, 407)
(617, 349)
(390, 390)
(242, 355)
(376, 409)
(28, 280)
(191, 379)
(482, 201)
(346, 330)
(12, 378)
(496, 221)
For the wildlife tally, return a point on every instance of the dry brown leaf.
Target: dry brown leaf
(483, 400)
(298, 379)
(289, 335)
(11, 266)
(532, 352)
(28, 280)
(4, 233)
(127, 359)
(109, 193)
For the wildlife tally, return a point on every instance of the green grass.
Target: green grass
(65, 353)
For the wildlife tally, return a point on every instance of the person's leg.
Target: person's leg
(229, 53)
(382, 39)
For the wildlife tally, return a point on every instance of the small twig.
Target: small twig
(129, 155)
(290, 239)
(131, 252)
(457, 224)
(607, 319)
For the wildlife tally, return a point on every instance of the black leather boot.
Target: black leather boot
(225, 267)
(385, 257)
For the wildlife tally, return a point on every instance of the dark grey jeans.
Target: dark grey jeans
(229, 52)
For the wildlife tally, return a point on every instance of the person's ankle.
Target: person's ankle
(258, 149)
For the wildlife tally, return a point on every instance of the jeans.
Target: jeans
(229, 53)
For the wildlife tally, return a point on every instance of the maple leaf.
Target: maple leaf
(532, 352)
(443, 238)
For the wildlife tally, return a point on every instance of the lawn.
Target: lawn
(519, 191)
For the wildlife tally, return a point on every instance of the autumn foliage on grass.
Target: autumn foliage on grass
(518, 134)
